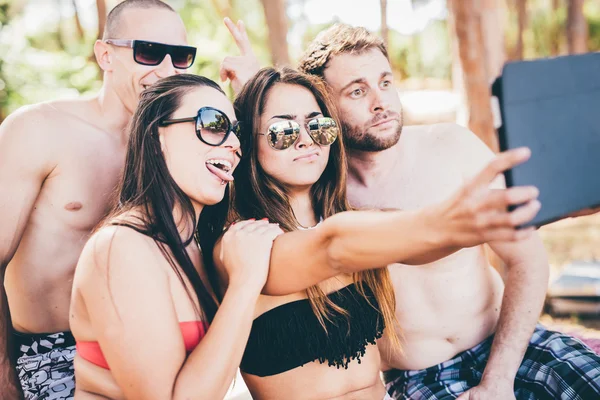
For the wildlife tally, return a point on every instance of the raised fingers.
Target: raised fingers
(503, 161)
(239, 35)
(524, 213)
(502, 198)
(520, 216)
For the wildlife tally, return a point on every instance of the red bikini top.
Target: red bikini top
(192, 332)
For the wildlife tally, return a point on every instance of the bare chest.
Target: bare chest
(82, 187)
(413, 184)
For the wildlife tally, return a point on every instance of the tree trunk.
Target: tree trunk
(276, 19)
(59, 31)
(577, 28)
(492, 16)
(384, 26)
(522, 22)
(468, 21)
(101, 7)
(458, 84)
(556, 33)
(80, 32)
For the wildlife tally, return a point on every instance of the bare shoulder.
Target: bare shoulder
(27, 122)
(28, 143)
(44, 125)
(120, 249)
(72, 108)
(453, 143)
(442, 136)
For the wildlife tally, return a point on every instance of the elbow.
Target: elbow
(338, 257)
(337, 254)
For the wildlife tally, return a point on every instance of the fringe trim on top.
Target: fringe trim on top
(290, 335)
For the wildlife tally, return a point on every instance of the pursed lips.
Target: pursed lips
(313, 154)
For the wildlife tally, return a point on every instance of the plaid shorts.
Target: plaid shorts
(555, 366)
(45, 365)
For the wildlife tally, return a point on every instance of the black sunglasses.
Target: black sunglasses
(283, 134)
(212, 126)
(152, 53)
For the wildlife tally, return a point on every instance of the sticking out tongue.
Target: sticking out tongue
(226, 176)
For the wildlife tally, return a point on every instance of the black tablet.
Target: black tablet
(552, 106)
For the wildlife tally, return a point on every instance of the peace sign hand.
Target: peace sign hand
(239, 69)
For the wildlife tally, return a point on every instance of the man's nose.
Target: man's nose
(379, 102)
(165, 68)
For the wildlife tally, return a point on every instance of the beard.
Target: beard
(359, 138)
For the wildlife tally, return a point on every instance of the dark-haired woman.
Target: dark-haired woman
(320, 342)
(142, 300)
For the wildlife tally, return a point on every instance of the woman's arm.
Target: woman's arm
(349, 242)
(124, 281)
(358, 240)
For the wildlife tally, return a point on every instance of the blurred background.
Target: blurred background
(445, 54)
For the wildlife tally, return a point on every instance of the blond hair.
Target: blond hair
(338, 39)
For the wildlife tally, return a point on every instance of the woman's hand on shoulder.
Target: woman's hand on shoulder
(245, 252)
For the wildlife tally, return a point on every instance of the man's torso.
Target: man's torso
(73, 198)
(447, 306)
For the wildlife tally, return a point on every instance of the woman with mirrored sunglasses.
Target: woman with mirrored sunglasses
(327, 298)
(144, 312)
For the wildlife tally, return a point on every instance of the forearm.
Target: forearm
(354, 241)
(364, 240)
(524, 294)
(210, 369)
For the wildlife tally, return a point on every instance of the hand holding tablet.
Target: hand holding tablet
(552, 106)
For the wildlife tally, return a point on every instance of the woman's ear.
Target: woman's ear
(161, 140)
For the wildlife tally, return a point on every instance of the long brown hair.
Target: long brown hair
(261, 195)
(148, 188)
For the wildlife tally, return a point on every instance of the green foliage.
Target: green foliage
(207, 31)
(545, 34)
(55, 62)
(592, 12)
(423, 55)
(546, 30)
(38, 68)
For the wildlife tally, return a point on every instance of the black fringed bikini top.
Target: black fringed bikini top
(290, 335)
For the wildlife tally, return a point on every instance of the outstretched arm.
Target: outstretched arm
(358, 240)
(25, 161)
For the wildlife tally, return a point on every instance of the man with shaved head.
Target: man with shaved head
(60, 162)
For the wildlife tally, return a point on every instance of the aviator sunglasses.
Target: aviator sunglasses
(152, 53)
(212, 126)
(283, 134)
